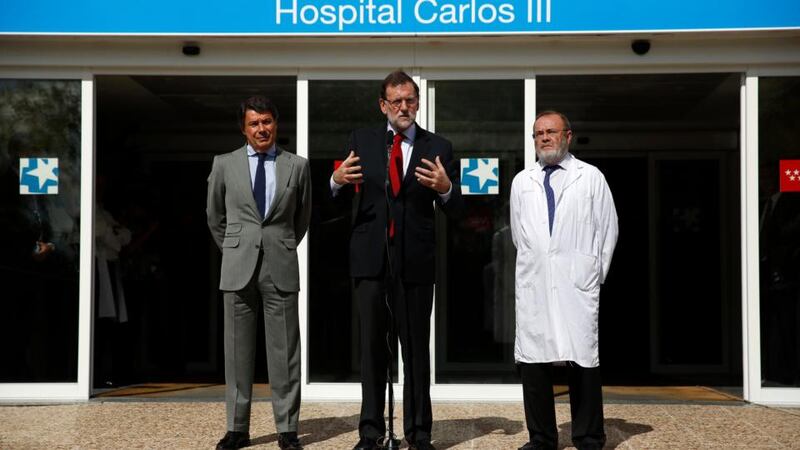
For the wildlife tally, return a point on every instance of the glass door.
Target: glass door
(474, 306)
(158, 308)
(779, 240)
(336, 108)
(668, 145)
(40, 217)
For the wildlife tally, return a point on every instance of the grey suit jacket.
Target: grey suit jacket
(240, 233)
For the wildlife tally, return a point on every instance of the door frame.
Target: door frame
(751, 306)
(80, 389)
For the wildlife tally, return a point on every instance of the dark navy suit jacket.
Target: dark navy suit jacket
(412, 209)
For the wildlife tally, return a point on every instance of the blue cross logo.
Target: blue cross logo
(480, 176)
(38, 176)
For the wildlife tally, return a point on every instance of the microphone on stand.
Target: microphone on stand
(389, 141)
(390, 441)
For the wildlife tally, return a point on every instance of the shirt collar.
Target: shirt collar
(271, 152)
(410, 133)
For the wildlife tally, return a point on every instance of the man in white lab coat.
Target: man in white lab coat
(564, 225)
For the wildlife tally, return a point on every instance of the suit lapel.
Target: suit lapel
(283, 172)
(241, 178)
(422, 146)
(380, 157)
(373, 154)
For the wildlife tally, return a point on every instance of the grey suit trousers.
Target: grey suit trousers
(283, 351)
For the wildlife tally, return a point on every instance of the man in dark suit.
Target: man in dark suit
(259, 207)
(392, 251)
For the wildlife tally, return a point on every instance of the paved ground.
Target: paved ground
(197, 425)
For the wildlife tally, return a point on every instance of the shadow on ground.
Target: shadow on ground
(617, 432)
(317, 430)
(451, 432)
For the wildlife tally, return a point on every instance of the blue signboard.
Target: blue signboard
(390, 17)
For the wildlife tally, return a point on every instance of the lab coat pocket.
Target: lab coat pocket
(527, 268)
(585, 273)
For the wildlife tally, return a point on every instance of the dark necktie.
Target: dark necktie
(548, 191)
(396, 164)
(260, 185)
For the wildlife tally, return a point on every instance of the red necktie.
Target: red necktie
(396, 164)
(395, 171)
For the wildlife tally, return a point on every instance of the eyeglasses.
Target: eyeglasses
(539, 134)
(395, 104)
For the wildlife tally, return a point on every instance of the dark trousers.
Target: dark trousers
(411, 308)
(585, 400)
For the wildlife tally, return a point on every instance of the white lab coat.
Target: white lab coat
(557, 282)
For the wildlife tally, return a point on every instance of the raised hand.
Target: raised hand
(434, 176)
(349, 172)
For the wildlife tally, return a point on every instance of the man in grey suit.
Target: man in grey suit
(259, 207)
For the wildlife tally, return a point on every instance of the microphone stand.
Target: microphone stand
(390, 441)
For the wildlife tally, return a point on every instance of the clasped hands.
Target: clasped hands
(432, 176)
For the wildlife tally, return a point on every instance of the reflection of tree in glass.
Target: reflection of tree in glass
(41, 118)
(48, 112)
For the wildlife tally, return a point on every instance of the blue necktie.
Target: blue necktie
(260, 186)
(548, 191)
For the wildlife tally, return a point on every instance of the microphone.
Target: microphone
(390, 441)
(389, 142)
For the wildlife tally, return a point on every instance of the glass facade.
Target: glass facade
(674, 174)
(779, 229)
(673, 170)
(40, 136)
(670, 305)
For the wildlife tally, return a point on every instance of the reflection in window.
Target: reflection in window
(779, 229)
(337, 108)
(668, 146)
(39, 233)
(475, 318)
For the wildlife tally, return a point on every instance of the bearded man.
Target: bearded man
(564, 226)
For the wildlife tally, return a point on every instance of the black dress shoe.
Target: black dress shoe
(234, 440)
(366, 444)
(289, 441)
(421, 445)
(589, 447)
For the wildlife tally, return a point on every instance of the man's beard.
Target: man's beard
(551, 157)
